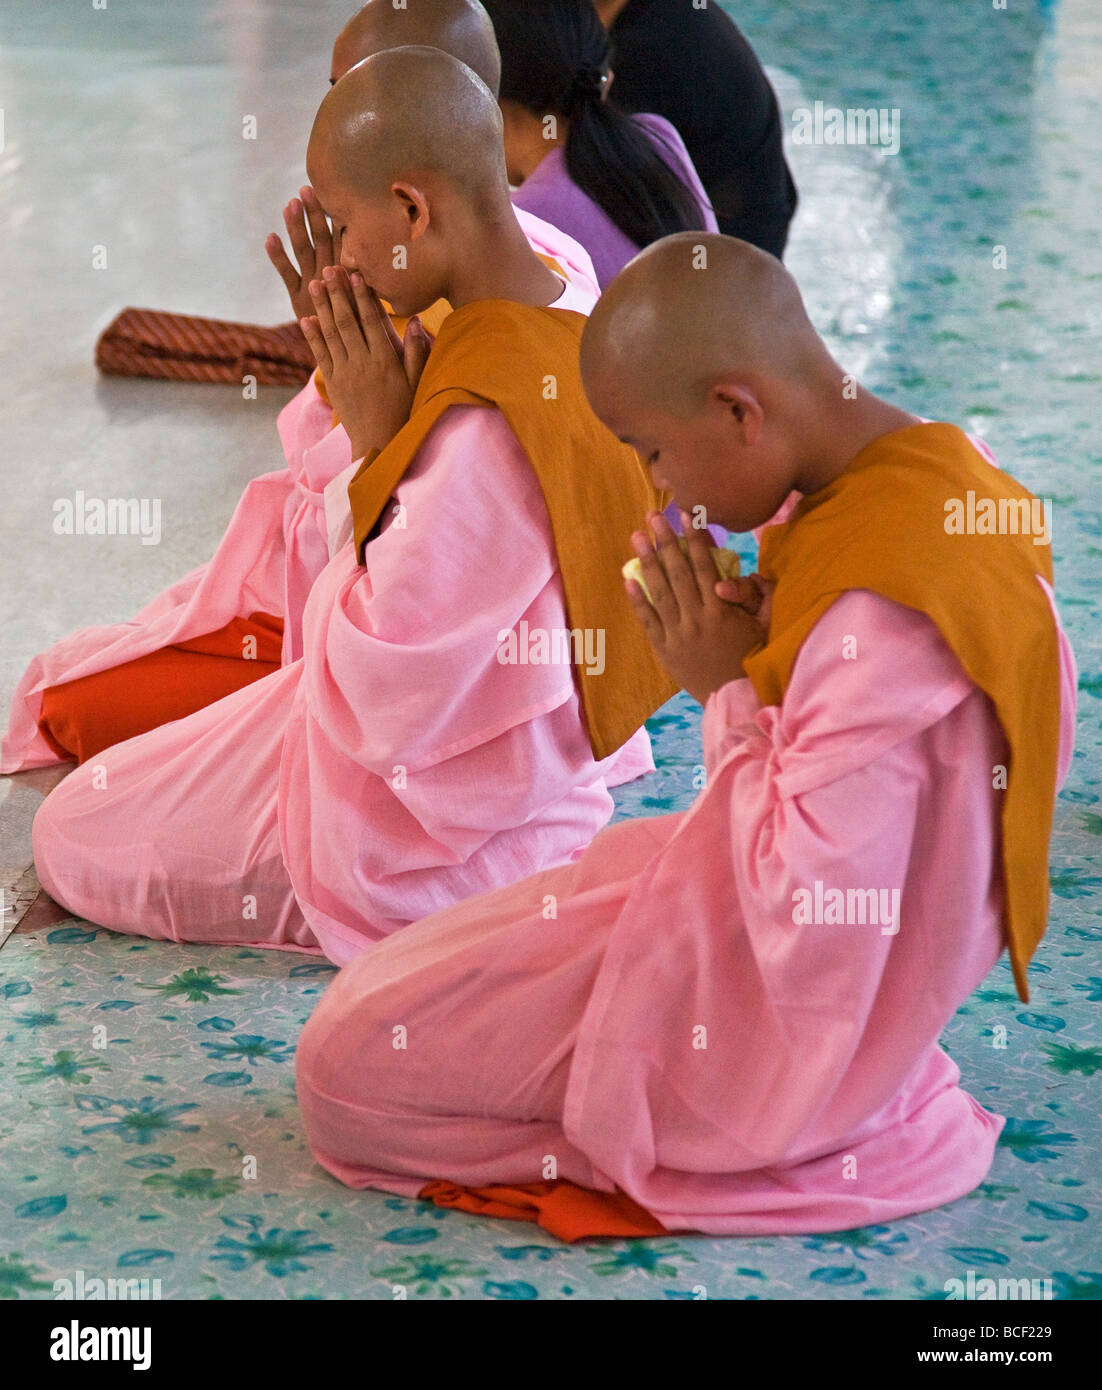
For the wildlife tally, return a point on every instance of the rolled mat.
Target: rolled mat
(181, 347)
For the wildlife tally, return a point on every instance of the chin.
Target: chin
(405, 305)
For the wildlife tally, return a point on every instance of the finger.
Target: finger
(700, 560)
(394, 337)
(742, 591)
(378, 330)
(390, 324)
(767, 588)
(278, 256)
(324, 310)
(366, 309)
(344, 315)
(648, 618)
(312, 333)
(337, 275)
(295, 223)
(415, 352)
(320, 233)
(679, 572)
(654, 577)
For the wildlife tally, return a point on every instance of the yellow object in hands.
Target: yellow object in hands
(726, 563)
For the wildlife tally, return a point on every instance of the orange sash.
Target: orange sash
(896, 523)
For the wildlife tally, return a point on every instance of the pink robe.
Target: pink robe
(267, 561)
(672, 1029)
(395, 768)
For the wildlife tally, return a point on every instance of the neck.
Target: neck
(498, 263)
(526, 142)
(840, 431)
(528, 158)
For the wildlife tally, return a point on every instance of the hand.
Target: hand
(752, 592)
(700, 636)
(370, 373)
(314, 248)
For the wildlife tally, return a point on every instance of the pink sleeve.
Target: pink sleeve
(414, 644)
(836, 714)
(426, 768)
(732, 712)
(316, 451)
(304, 424)
(831, 788)
(830, 791)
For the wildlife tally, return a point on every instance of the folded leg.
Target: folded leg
(444, 1052)
(80, 718)
(174, 834)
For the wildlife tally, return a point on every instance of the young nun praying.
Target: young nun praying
(612, 181)
(727, 1020)
(239, 616)
(471, 669)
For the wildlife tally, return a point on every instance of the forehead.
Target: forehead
(617, 400)
(319, 165)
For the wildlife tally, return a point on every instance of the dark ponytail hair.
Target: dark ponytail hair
(555, 60)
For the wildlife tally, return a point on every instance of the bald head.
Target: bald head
(694, 308)
(459, 27)
(366, 136)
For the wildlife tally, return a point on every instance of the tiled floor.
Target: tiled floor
(123, 131)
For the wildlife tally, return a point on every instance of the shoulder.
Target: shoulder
(471, 478)
(659, 129)
(870, 676)
(465, 436)
(546, 178)
(870, 654)
(461, 428)
(666, 139)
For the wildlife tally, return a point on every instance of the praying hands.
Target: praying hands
(371, 374)
(314, 242)
(701, 629)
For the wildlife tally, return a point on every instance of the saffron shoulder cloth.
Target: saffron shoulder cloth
(524, 361)
(882, 526)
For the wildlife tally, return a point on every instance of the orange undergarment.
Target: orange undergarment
(81, 718)
(566, 1210)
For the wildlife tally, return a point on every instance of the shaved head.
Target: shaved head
(692, 309)
(700, 354)
(367, 135)
(459, 27)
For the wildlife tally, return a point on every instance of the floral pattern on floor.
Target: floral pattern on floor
(150, 1127)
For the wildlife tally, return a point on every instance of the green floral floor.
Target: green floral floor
(174, 1151)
